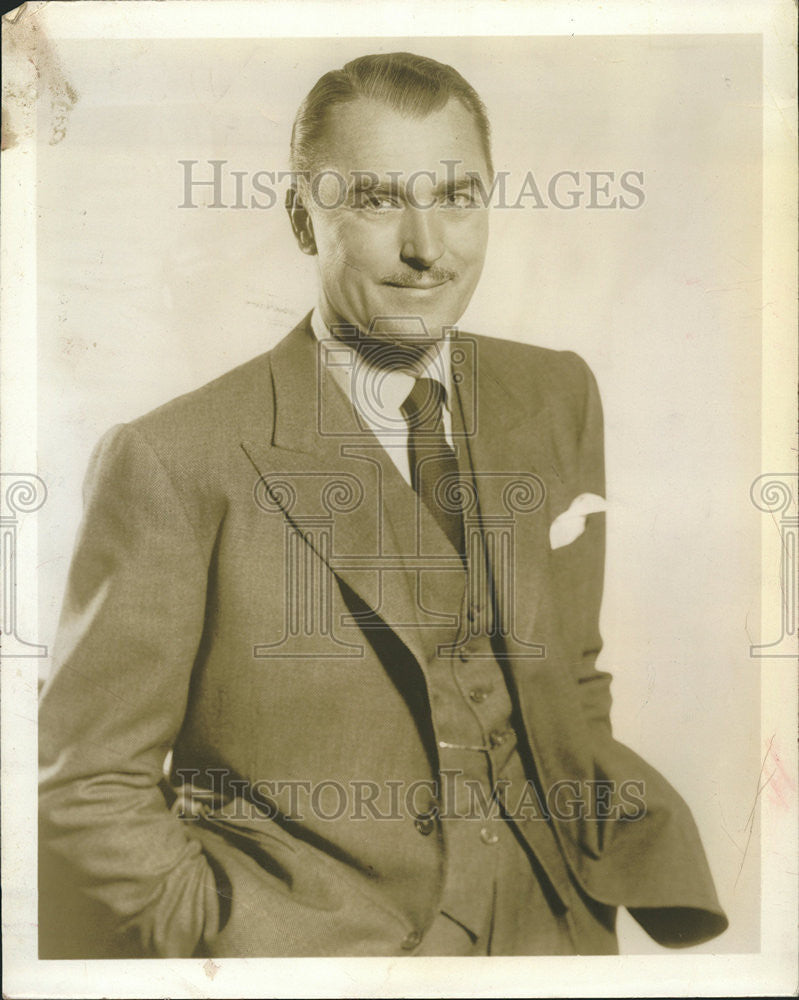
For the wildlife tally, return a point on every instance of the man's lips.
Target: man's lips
(421, 286)
(424, 282)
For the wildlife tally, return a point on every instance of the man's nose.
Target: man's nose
(422, 243)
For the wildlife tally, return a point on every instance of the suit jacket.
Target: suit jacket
(183, 630)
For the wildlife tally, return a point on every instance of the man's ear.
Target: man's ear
(301, 224)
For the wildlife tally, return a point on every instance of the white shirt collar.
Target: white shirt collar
(377, 395)
(391, 387)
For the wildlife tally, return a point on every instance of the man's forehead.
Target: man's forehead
(370, 135)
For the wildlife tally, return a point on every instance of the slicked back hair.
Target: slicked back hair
(411, 84)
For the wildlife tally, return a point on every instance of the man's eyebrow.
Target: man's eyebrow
(455, 184)
(364, 181)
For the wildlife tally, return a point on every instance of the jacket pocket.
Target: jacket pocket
(283, 896)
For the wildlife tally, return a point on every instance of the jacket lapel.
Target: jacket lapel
(322, 468)
(508, 447)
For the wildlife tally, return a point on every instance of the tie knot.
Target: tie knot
(423, 404)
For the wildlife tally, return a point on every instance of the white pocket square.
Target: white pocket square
(571, 523)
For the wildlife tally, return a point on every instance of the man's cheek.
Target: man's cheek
(330, 231)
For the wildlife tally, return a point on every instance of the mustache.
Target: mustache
(410, 279)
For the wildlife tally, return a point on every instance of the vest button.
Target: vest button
(411, 941)
(478, 695)
(497, 737)
(473, 612)
(488, 836)
(464, 653)
(425, 825)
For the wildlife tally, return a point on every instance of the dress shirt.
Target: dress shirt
(377, 394)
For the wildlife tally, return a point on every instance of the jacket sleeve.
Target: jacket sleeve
(130, 627)
(580, 565)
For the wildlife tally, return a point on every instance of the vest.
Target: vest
(484, 762)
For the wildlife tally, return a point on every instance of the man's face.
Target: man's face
(411, 241)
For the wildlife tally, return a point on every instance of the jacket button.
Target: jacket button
(411, 941)
(463, 653)
(499, 736)
(425, 825)
(478, 695)
(488, 836)
(473, 612)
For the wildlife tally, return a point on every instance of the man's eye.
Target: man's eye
(459, 199)
(376, 202)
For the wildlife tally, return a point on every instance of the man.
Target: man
(351, 590)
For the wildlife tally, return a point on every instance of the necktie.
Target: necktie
(431, 458)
